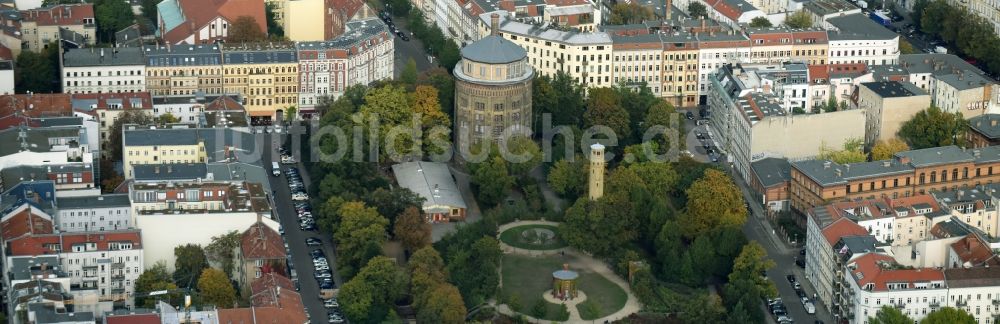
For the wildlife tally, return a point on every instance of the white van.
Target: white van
(810, 308)
(275, 169)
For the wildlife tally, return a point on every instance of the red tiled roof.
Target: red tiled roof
(880, 270)
(201, 12)
(819, 72)
(908, 202)
(973, 251)
(5, 53)
(37, 105)
(840, 228)
(24, 221)
(224, 103)
(236, 316)
(133, 319)
(261, 242)
(274, 301)
(36, 244)
(145, 99)
(565, 2)
(60, 15)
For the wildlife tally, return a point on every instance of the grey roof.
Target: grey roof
(827, 172)
(858, 27)
(103, 56)
(859, 243)
(20, 267)
(645, 38)
(46, 314)
(432, 181)
(69, 36)
(894, 89)
(828, 7)
(358, 32)
(59, 121)
(128, 37)
(947, 68)
(102, 201)
(771, 171)
(972, 277)
(937, 155)
(259, 56)
(182, 55)
(987, 125)
(231, 118)
(12, 176)
(883, 72)
(149, 137)
(493, 50)
(509, 26)
(239, 171)
(169, 171)
(37, 139)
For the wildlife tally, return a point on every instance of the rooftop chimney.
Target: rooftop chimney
(495, 24)
(669, 9)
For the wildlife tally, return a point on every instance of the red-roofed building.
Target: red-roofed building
(261, 251)
(273, 301)
(132, 319)
(205, 21)
(874, 280)
(821, 257)
(40, 27)
(108, 106)
(24, 220)
(108, 262)
(835, 79)
(971, 252)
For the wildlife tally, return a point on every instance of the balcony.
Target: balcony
(996, 302)
(899, 305)
(118, 276)
(117, 265)
(935, 304)
(961, 303)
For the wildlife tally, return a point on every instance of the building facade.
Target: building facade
(42, 27)
(492, 91)
(363, 54)
(887, 105)
(110, 212)
(100, 70)
(267, 78)
(175, 70)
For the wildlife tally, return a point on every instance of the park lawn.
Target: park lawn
(601, 291)
(512, 237)
(527, 278)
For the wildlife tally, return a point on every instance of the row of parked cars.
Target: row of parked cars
(324, 277)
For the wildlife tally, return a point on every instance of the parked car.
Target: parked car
(801, 263)
(300, 196)
(791, 278)
(689, 115)
(810, 308)
(312, 241)
(797, 286)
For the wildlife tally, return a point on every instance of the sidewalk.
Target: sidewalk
(759, 215)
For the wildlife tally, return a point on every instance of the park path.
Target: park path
(579, 261)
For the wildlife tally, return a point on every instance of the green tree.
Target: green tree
(273, 28)
(112, 16)
(658, 178)
(906, 48)
(697, 10)
(852, 152)
(601, 227)
(527, 151)
(474, 270)
(492, 181)
(604, 108)
(890, 315)
(153, 279)
(702, 308)
(750, 264)
(760, 22)
(359, 237)
(560, 98)
(149, 10)
(886, 149)
(831, 104)
(216, 289)
(669, 249)
(713, 201)
(412, 230)
(443, 305)
(540, 309)
(221, 250)
(427, 270)
(800, 19)
(291, 112)
(568, 179)
(114, 140)
(245, 30)
(37, 72)
(390, 106)
(664, 114)
(624, 13)
(434, 122)
(589, 310)
(409, 74)
(190, 262)
(392, 202)
(167, 118)
(369, 296)
(949, 315)
(441, 80)
(933, 128)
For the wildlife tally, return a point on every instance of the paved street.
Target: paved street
(405, 50)
(295, 238)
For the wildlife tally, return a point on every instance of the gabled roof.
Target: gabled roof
(182, 18)
(60, 15)
(841, 228)
(880, 270)
(39, 244)
(974, 252)
(261, 242)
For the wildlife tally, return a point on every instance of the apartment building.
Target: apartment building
(108, 212)
(188, 109)
(947, 168)
(954, 84)
(752, 117)
(984, 130)
(987, 10)
(836, 80)
(679, 80)
(69, 180)
(107, 107)
(44, 146)
(717, 50)
(887, 105)
(100, 70)
(584, 56)
(42, 27)
(823, 262)
(974, 290)
(783, 44)
(176, 212)
(204, 22)
(363, 54)
(36, 279)
(175, 70)
(302, 16)
(261, 251)
(24, 219)
(976, 207)
(874, 280)
(161, 146)
(108, 262)
(733, 12)
(267, 78)
(770, 182)
(856, 38)
(637, 61)
(822, 10)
